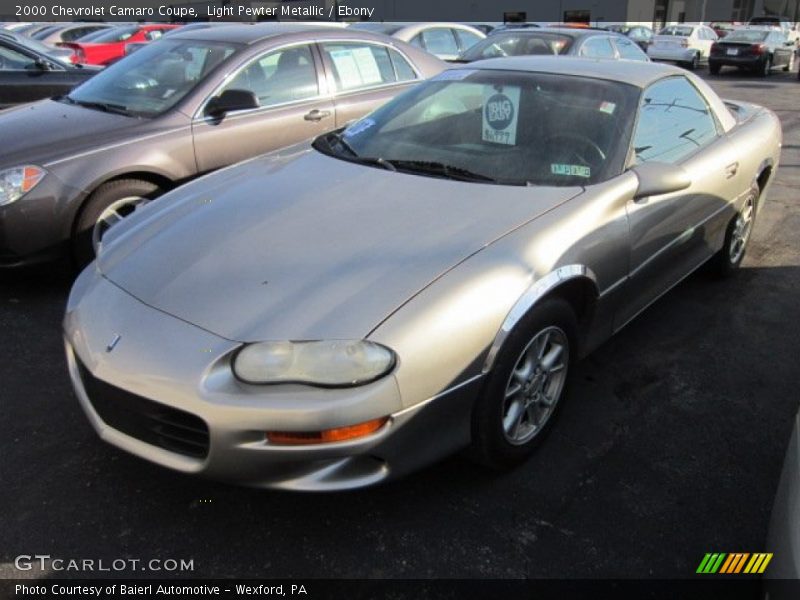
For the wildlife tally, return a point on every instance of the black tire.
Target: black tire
(789, 65)
(694, 64)
(490, 445)
(103, 197)
(765, 68)
(714, 68)
(724, 264)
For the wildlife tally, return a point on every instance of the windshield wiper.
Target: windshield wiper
(362, 160)
(441, 169)
(104, 106)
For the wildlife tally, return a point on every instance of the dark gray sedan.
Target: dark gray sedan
(74, 166)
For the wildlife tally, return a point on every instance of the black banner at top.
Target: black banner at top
(596, 12)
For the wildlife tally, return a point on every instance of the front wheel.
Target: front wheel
(694, 64)
(517, 406)
(108, 205)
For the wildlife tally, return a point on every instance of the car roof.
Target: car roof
(251, 34)
(638, 73)
(573, 32)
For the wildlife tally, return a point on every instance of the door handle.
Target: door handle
(731, 170)
(317, 115)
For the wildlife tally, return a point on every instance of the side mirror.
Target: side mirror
(230, 101)
(43, 65)
(656, 178)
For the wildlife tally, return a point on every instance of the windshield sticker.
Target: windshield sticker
(500, 113)
(570, 170)
(356, 67)
(608, 107)
(454, 75)
(359, 127)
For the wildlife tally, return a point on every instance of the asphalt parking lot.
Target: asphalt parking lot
(670, 446)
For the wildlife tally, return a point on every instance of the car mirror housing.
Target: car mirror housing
(657, 178)
(230, 101)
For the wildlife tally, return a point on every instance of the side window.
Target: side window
(466, 39)
(417, 41)
(598, 47)
(674, 121)
(281, 76)
(153, 34)
(11, 60)
(404, 71)
(440, 41)
(359, 65)
(629, 50)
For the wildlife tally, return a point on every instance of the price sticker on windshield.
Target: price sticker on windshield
(500, 114)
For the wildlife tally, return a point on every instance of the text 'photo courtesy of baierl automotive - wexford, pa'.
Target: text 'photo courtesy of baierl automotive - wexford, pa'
(378, 299)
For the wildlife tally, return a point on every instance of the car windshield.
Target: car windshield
(678, 31)
(504, 127)
(116, 34)
(153, 79)
(742, 35)
(518, 43)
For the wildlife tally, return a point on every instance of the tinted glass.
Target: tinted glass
(357, 66)
(598, 47)
(677, 31)
(515, 128)
(402, 68)
(467, 39)
(440, 41)
(746, 35)
(674, 121)
(515, 43)
(154, 78)
(629, 50)
(11, 60)
(282, 76)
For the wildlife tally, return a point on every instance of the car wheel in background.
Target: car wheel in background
(790, 65)
(108, 204)
(522, 394)
(695, 62)
(737, 236)
(766, 66)
(714, 68)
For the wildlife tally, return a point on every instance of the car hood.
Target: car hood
(300, 245)
(48, 130)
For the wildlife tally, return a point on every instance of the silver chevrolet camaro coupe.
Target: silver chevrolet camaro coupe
(329, 316)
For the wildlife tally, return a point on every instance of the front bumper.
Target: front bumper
(165, 370)
(37, 227)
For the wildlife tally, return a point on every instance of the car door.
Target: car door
(25, 78)
(781, 52)
(672, 234)
(364, 75)
(293, 106)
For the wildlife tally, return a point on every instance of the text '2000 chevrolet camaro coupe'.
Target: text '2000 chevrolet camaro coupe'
(332, 315)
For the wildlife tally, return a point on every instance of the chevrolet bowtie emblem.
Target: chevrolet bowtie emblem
(113, 343)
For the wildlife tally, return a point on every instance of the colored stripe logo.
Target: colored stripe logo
(733, 563)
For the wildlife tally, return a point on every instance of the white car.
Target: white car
(444, 40)
(688, 45)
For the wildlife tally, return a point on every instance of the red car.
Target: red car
(109, 46)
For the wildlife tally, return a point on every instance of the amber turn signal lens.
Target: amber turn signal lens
(340, 434)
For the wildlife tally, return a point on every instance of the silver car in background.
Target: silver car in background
(333, 315)
(444, 40)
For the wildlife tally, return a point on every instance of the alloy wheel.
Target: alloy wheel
(113, 214)
(535, 385)
(741, 231)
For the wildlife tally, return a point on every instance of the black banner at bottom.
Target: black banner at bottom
(701, 588)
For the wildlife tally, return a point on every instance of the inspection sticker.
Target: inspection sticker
(359, 127)
(500, 113)
(570, 170)
(608, 107)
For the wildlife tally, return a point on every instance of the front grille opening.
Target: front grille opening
(151, 422)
